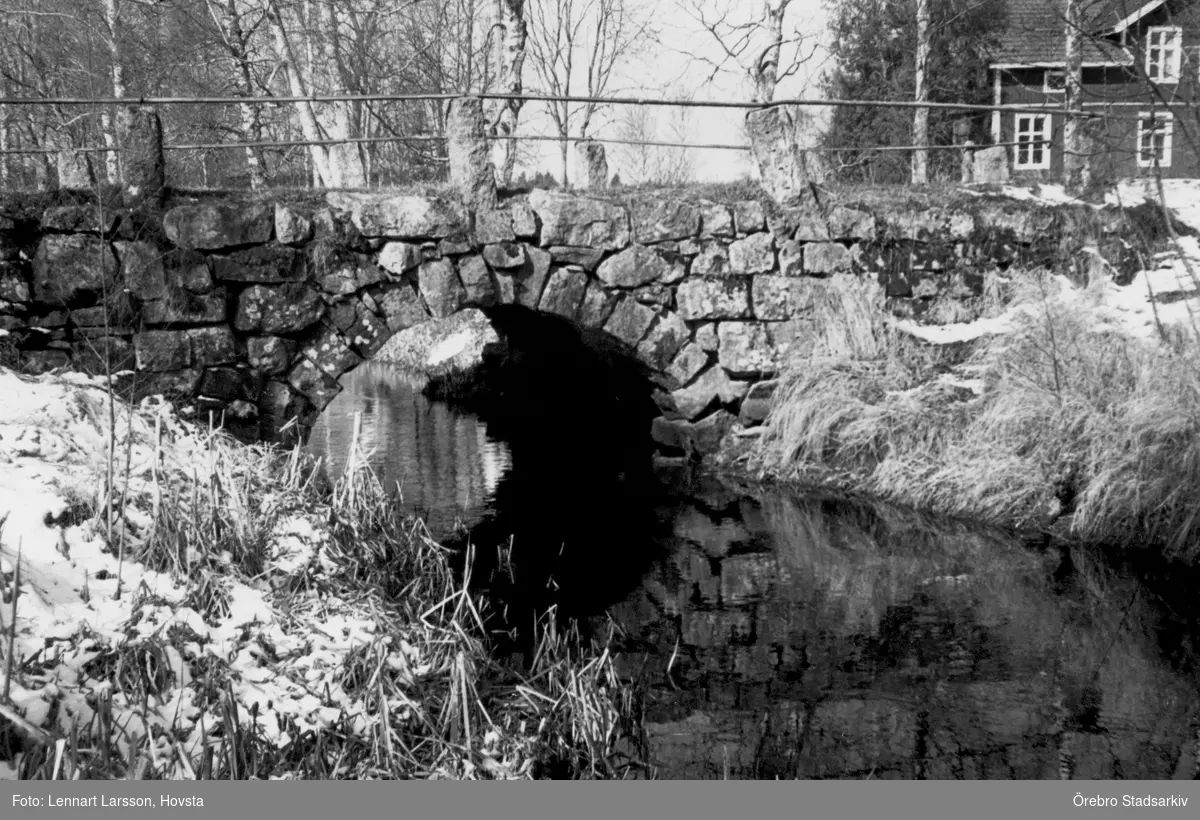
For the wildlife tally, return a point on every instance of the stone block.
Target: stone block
(400, 306)
(456, 245)
(493, 226)
(658, 220)
(713, 385)
(212, 345)
(348, 273)
(791, 258)
(660, 345)
(309, 381)
(441, 288)
(529, 281)
(581, 221)
(215, 227)
(749, 216)
(753, 254)
(564, 292)
(330, 352)
(68, 269)
(781, 297)
(629, 321)
(278, 309)
(690, 360)
(716, 220)
(162, 350)
(524, 220)
(586, 258)
(187, 270)
(268, 264)
(477, 281)
(827, 258)
(369, 332)
(633, 267)
(270, 355)
(400, 257)
(745, 349)
(505, 256)
(851, 224)
(14, 287)
(712, 260)
(291, 227)
(80, 219)
(142, 270)
(756, 407)
(713, 299)
(185, 307)
(402, 216)
(597, 305)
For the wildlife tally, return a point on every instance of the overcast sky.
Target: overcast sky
(678, 67)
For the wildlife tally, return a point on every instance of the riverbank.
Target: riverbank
(1072, 407)
(179, 605)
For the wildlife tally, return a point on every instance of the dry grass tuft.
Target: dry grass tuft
(1076, 425)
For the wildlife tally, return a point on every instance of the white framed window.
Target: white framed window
(1032, 133)
(1055, 81)
(1164, 50)
(1154, 139)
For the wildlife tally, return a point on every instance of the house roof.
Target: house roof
(1036, 29)
(1120, 14)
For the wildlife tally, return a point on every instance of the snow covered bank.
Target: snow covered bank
(226, 605)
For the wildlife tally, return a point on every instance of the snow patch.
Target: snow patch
(449, 347)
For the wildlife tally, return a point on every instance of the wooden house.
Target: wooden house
(1141, 68)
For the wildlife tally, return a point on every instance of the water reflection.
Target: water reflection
(443, 461)
(794, 637)
(779, 636)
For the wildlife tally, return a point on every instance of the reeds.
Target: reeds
(1072, 424)
(405, 687)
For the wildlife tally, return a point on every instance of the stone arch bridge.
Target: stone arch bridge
(253, 309)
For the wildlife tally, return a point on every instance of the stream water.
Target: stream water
(774, 634)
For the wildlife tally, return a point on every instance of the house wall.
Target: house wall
(1128, 93)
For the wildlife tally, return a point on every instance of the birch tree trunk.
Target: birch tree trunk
(112, 19)
(1074, 159)
(766, 73)
(920, 157)
(510, 34)
(309, 127)
(345, 159)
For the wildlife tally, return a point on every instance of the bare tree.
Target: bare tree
(752, 41)
(245, 49)
(656, 164)
(236, 34)
(575, 47)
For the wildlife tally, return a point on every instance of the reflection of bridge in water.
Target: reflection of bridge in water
(795, 638)
(783, 637)
(442, 460)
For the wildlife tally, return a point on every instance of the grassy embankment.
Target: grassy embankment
(364, 656)
(1066, 422)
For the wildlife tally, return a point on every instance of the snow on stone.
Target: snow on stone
(1165, 293)
(449, 347)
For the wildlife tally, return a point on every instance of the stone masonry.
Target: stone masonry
(254, 310)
